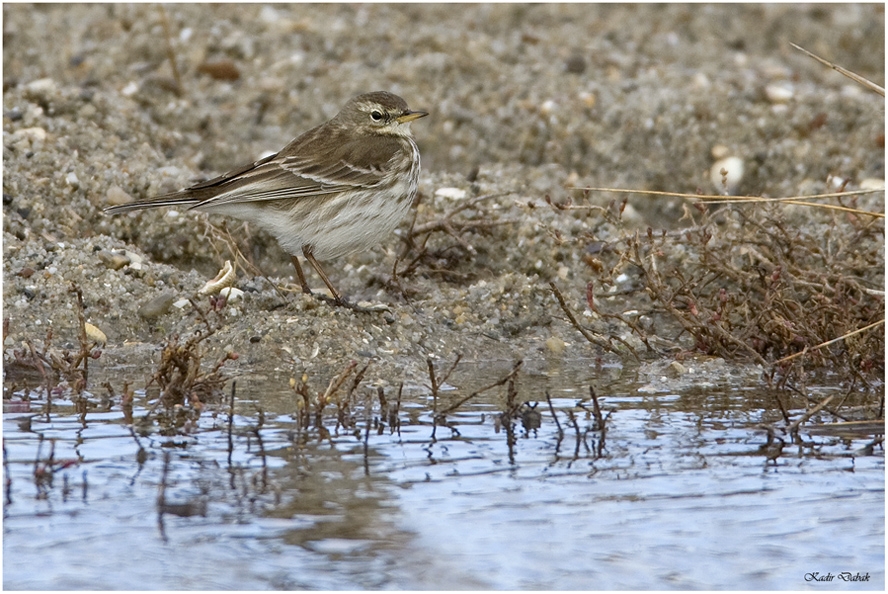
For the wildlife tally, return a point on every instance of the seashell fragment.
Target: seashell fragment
(225, 278)
(94, 334)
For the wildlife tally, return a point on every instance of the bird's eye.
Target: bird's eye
(376, 115)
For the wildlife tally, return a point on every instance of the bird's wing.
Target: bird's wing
(297, 175)
(297, 171)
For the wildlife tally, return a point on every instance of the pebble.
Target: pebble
(112, 260)
(451, 193)
(701, 82)
(779, 92)
(720, 151)
(41, 86)
(220, 70)
(130, 89)
(72, 180)
(29, 139)
(872, 183)
(370, 306)
(555, 345)
(631, 215)
(835, 183)
(676, 369)
(575, 64)
(116, 196)
(157, 306)
(726, 175)
(231, 294)
(269, 15)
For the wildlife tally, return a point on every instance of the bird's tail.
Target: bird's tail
(175, 199)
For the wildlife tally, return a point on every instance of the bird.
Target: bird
(335, 190)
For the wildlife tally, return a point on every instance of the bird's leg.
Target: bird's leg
(307, 252)
(300, 275)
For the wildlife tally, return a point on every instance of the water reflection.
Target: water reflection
(678, 492)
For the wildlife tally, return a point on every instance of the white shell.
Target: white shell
(94, 334)
(451, 193)
(224, 279)
(726, 175)
(231, 293)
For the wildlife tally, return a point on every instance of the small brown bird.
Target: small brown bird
(335, 190)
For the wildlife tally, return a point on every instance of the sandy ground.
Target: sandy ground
(526, 102)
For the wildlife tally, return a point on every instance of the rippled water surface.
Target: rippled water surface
(678, 493)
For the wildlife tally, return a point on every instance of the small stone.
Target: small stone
(28, 139)
(701, 82)
(72, 180)
(157, 306)
(231, 294)
(133, 256)
(676, 370)
(575, 64)
(372, 307)
(130, 89)
(779, 92)
(555, 345)
(220, 70)
(269, 15)
(631, 215)
(836, 183)
(117, 196)
(112, 260)
(872, 183)
(41, 86)
(135, 260)
(451, 193)
(720, 151)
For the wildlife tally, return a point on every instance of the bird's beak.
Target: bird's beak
(410, 116)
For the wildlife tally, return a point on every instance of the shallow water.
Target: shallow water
(680, 496)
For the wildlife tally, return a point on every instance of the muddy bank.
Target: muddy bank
(527, 103)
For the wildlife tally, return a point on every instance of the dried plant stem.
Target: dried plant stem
(717, 199)
(810, 413)
(829, 342)
(853, 76)
(503, 380)
(586, 334)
